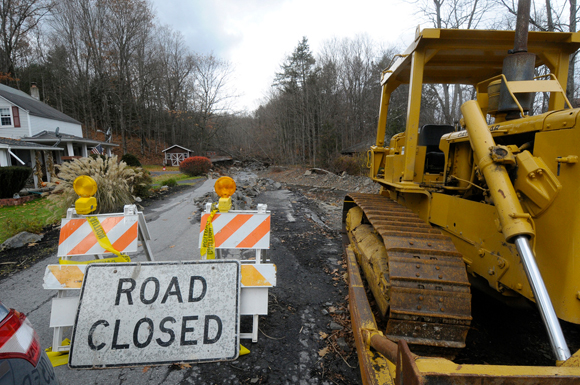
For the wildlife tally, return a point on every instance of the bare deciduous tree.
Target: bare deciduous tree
(17, 19)
(212, 95)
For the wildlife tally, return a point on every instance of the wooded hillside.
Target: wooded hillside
(108, 63)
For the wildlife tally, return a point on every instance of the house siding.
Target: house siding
(4, 158)
(41, 124)
(15, 132)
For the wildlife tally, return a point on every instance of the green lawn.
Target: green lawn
(154, 167)
(31, 217)
(158, 180)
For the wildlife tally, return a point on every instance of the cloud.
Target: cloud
(256, 36)
(212, 26)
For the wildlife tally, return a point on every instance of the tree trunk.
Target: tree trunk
(572, 68)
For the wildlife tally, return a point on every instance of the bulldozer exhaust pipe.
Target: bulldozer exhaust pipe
(549, 317)
(522, 24)
(516, 224)
(518, 65)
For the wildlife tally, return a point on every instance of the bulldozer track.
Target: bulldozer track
(429, 300)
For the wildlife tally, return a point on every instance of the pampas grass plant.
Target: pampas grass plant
(114, 179)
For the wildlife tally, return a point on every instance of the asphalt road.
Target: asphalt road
(295, 337)
(174, 226)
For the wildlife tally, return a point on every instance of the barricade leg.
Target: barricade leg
(255, 328)
(146, 246)
(58, 331)
(62, 316)
(57, 335)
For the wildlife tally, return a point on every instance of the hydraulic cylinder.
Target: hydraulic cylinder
(512, 218)
(516, 224)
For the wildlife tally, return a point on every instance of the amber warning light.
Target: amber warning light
(85, 187)
(225, 187)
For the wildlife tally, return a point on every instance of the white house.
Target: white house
(27, 125)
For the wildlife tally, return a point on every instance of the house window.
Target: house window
(5, 116)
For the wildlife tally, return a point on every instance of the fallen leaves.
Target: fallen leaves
(180, 366)
(323, 352)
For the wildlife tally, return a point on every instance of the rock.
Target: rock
(45, 194)
(335, 326)
(307, 173)
(20, 240)
(164, 188)
(341, 342)
(277, 185)
(255, 380)
(245, 179)
(324, 311)
(138, 200)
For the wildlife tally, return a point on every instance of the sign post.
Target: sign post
(157, 313)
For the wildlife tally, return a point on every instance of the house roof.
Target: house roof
(176, 145)
(50, 137)
(33, 106)
(22, 145)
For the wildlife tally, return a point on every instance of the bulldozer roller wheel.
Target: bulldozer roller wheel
(415, 273)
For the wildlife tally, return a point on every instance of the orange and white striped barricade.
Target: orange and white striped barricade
(77, 239)
(246, 229)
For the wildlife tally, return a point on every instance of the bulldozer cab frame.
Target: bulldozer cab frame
(468, 57)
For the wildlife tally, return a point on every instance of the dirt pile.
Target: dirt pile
(314, 177)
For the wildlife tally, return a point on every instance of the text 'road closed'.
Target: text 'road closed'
(155, 313)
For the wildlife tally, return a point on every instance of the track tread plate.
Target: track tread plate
(429, 285)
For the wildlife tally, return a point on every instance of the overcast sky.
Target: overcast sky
(256, 36)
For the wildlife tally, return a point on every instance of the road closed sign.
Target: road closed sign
(157, 313)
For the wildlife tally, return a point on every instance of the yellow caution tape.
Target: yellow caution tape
(244, 350)
(208, 241)
(122, 258)
(58, 358)
(103, 242)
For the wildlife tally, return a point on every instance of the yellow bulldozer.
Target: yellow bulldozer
(492, 201)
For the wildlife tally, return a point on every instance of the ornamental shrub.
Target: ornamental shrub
(141, 185)
(12, 180)
(171, 182)
(114, 183)
(131, 160)
(195, 165)
(97, 156)
(353, 165)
